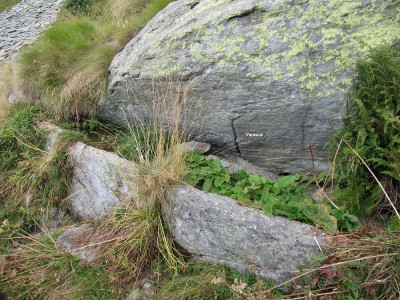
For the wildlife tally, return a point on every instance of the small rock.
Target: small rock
(56, 217)
(77, 241)
(100, 182)
(196, 146)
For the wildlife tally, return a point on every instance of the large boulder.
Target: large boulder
(270, 77)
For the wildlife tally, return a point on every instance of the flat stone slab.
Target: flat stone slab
(216, 229)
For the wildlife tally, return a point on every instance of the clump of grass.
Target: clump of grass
(5, 86)
(136, 236)
(32, 180)
(68, 64)
(372, 131)
(134, 239)
(5, 4)
(38, 269)
(70, 74)
(196, 281)
(364, 264)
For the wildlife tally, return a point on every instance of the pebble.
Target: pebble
(22, 23)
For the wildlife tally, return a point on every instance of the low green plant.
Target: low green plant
(372, 128)
(285, 197)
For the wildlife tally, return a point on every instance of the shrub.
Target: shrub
(372, 128)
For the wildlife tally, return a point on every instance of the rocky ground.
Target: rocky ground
(21, 24)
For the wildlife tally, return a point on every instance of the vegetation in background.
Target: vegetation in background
(5, 4)
(285, 197)
(372, 128)
(68, 64)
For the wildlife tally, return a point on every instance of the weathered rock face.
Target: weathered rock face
(101, 181)
(216, 229)
(270, 76)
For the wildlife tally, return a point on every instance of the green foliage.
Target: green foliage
(284, 197)
(372, 128)
(394, 224)
(32, 180)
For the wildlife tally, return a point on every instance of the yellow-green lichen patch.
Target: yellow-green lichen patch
(313, 43)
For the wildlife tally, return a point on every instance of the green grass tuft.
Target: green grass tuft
(68, 65)
(32, 180)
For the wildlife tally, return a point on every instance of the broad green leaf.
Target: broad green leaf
(219, 181)
(207, 185)
(319, 214)
(285, 182)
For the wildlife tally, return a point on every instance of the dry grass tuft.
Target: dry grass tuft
(6, 79)
(136, 236)
(360, 265)
(38, 269)
(121, 8)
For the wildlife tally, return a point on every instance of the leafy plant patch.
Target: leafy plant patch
(285, 197)
(372, 128)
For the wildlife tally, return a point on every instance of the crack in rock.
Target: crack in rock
(235, 140)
